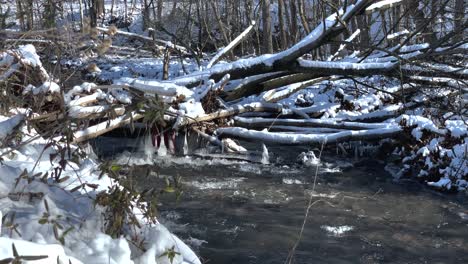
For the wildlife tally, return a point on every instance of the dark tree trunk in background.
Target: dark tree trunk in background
(159, 7)
(293, 15)
(145, 5)
(99, 7)
(460, 6)
(266, 23)
(50, 13)
(20, 14)
(305, 24)
(28, 13)
(282, 31)
(362, 21)
(418, 18)
(92, 13)
(174, 7)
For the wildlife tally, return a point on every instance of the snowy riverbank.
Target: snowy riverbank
(51, 213)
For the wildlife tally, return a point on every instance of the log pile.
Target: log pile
(289, 99)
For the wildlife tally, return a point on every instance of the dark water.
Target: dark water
(236, 212)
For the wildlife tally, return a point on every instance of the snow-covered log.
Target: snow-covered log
(278, 94)
(320, 68)
(235, 110)
(307, 139)
(261, 123)
(90, 112)
(250, 85)
(104, 127)
(163, 88)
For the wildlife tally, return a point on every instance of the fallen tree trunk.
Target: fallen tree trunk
(307, 139)
(104, 127)
(231, 45)
(235, 110)
(261, 123)
(332, 26)
(164, 43)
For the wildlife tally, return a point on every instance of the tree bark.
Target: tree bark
(282, 31)
(266, 34)
(293, 15)
(459, 18)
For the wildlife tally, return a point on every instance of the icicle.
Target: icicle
(265, 155)
(148, 148)
(356, 151)
(186, 146)
(180, 143)
(361, 149)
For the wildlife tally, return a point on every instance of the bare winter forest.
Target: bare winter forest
(223, 78)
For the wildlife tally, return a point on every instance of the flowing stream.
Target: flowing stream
(240, 212)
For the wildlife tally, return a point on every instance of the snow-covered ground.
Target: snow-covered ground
(46, 217)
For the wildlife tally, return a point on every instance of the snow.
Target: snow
(8, 124)
(421, 123)
(290, 181)
(51, 253)
(326, 123)
(337, 231)
(457, 128)
(6, 60)
(85, 242)
(397, 34)
(29, 55)
(48, 86)
(345, 65)
(192, 108)
(121, 96)
(442, 183)
(411, 48)
(79, 111)
(305, 139)
(382, 4)
(156, 87)
(308, 159)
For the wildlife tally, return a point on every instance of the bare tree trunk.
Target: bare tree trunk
(160, 10)
(146, 14)
(80, 2)
(112, 8)
(417, 15)
(305, 24)
(384, 24)
(459, 19)
(174, 7)
(49, 14)
(293, 16)
(267, 37)
(29, 14)
(284, 39)
(364, 28)
(214, 6)
(93, 13)
(99, 7)
(20, 14)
